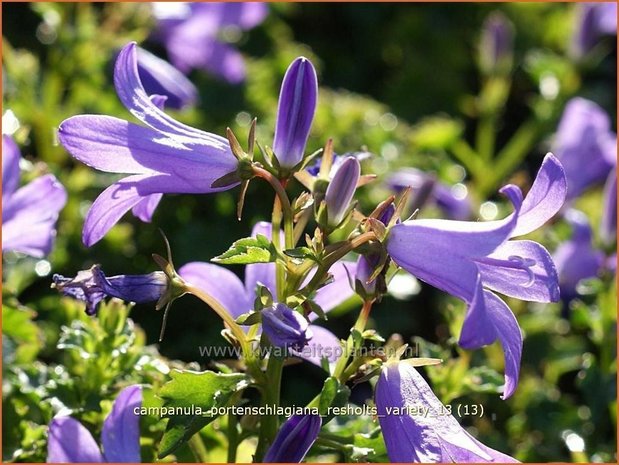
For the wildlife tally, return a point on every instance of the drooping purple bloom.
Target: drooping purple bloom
(295, 112)
(161, 78)
(70, 442)
(294, 439)
(285, 328)
(576, 259)
(471, 259)
(237, 297)
(29, 213)
(585, 145)
(341, 190)
(594, 20)
(92, 286)
(413, 437)
(425, 188)
(165, 157)
(496, 44)
(191, 33)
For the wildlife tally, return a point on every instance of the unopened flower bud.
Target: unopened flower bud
(496, 45)
(341, 190)
(285, 328)
(295, 112)
(294, 439)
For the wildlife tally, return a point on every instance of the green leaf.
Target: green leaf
(22, 335)
(248, 250)
(249, 318)
(333, 394)
(200, 391)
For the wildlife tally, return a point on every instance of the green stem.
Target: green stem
(510, 156)
(270, 423)
(238, 333)
(360, 324)
(198, 448)
(485, 137)
(467, 156)
(333, 257)
(233, 438)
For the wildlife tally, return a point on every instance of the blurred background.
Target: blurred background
(408, 83)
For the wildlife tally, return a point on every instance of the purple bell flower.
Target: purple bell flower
(295, 112)
(161, 78)
(29, 213)
(413, 437)
(294, 439)
(165, 156)
(471, 259)
(456, 205)
(594, 20)
(285, 328)
(341, 190)
(237, 297)
(585, 145)
(92, 286)
(191, 34)
(70, 442)
(576, 259)
(496, 44)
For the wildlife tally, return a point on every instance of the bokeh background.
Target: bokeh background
(401, 81)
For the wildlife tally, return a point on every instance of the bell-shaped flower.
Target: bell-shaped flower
(70, 442)
(285, 328)
(161, 78)
(191, 34)
(165, 156)
(585, 145)
(576, 259)
(295, 112)
(92, 286)
(29, 213)
(471, 259)
(453, 201)
(237, 296)
(496, 44)
(294, 439)
(593, 21)
(411, 437)
(341, 190)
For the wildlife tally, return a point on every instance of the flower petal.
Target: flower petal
(436, 437)
(220, 283)
(10, 167)
(160, 77)
(69, 442)
(295, 112)
(582, 145)
(121, 430)
(145, 208)
(133, 96)
(29, 217)
(495, 317)
(521, 269)
(110, 207)
(117, 146)
(545, 198)
(324, 344)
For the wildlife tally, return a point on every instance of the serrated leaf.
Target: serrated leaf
(248, 250)
(193, 390)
